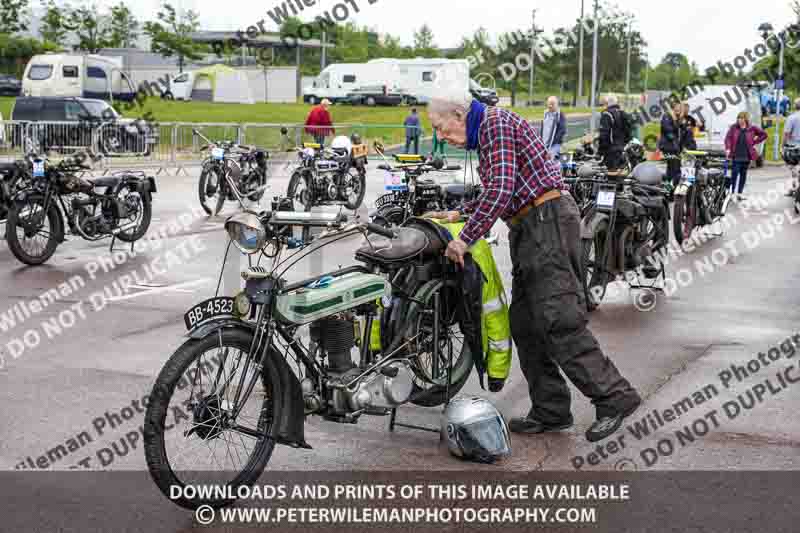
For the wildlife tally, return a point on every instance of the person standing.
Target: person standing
(672, 140)
(554, 127)
(522, 185)
(413, 130)
(740, 147)
(319, 123)
(791, 135)
(614, 134)
(438, 144)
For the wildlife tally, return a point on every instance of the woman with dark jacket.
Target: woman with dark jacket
(675, 137)
(740, 148)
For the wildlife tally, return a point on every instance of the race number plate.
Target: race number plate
(687, 173)
(38, 169)
(217, 153)
(211, 308)
(606, 199)
(394, 182)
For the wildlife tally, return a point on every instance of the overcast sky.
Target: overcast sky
(705, 30)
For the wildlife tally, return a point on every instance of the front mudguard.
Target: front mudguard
(290, 415)
(590, 223)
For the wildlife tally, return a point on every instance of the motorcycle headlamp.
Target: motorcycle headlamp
(246, 231)
(241, 305)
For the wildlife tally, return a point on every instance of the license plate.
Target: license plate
(394, 182)
(38, 169)
(217, 153)
(211, 308)
(606, 199)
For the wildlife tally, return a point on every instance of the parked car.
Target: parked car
(376, 95)
(483, 94)
(9, 85)
(82, 123)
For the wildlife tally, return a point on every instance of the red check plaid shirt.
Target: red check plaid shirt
(514, 167)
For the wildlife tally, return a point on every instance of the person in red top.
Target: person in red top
(522, 185)
(318, 123)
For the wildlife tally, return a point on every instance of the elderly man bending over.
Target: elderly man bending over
(522, 186)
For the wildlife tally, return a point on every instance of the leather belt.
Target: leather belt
(539, 200)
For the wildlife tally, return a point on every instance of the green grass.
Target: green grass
(383, 123)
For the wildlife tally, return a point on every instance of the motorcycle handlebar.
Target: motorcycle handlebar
(380, 230)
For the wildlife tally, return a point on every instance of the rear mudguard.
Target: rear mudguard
(290, 416)
(590, 222)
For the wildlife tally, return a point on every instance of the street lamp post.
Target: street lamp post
(628, 68)
(580, 57)
(596, 24)
(765, 30)
(533, 56)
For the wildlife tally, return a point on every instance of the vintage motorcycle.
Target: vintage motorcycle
(701, 197)
(791, 156)
(246, 379)
(408, 195)
(11, 180)
(622, 228)
(231, 172)
(330, 176)
(117, 206)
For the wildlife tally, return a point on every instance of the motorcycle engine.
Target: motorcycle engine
(385, 389)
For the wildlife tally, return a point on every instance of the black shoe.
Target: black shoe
(607, 425)
(531, 426)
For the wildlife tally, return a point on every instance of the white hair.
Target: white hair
(611, 100)
(450, 102)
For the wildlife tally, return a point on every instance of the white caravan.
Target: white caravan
(420, 79)
(80, 75)
(718, 106)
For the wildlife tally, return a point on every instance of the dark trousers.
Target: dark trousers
(738, 172)
(415, 140)
(613, 158)
(549, 318)
(320, 138)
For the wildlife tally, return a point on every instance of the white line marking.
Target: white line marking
(156, 290)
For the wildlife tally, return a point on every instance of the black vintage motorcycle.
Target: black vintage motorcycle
(117, 206)
(330, 176)
(791, 156)
(701, 197)
(231, 172)
(245, 379)
(11, 180)
(622, 228)
(409, 195)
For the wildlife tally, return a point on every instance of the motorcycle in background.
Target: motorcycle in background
(117, 206)
(231, 172)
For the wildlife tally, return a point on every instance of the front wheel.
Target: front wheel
(301, 195)
(32, 231)
(208, 188)
(683, 217)
(593, 257)
(191, 436)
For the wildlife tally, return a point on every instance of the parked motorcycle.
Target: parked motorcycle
(117, 206)
(231, 172)
(625, 225)
(408, 195)
(330, 176)
(11, 181)
(701, 197)
(791, 156)
(246, 379)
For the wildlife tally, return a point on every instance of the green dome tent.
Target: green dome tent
(221, 83)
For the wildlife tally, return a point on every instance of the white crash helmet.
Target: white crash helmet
(342, 145)
(475, 430)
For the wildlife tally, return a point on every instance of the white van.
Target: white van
(336, 81)
(79, 75)
(718, 106)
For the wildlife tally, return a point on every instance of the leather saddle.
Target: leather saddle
(408, 243)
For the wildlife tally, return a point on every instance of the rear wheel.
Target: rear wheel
(431, 376)
(595, 276)
(32, 232)
(140, 212)
(190, 434)
(356, 187)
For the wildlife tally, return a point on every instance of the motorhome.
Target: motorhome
(420, 79)
(717, 107)
(79, 75)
